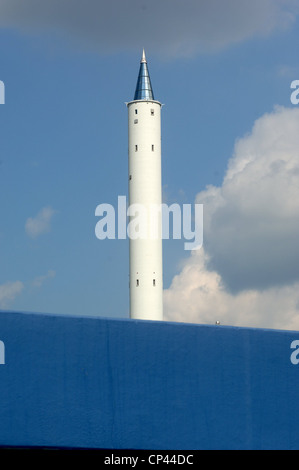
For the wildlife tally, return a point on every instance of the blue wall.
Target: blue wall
(94, 382)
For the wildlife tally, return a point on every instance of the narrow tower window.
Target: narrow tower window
(136, 111)
(137, 282)
(135, 121)
(153, 148)
(136, 148)
(154, 282)
(152, 112)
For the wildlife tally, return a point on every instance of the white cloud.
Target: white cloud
(197, 295)
(170, 27)
(9, 291)
(39, 224)
(40, 280)
(251, 222)
(249, 271)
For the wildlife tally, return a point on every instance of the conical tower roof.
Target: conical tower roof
(144, 89)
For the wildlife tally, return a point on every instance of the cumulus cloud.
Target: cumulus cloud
(39, 224)
(252, 221)
(248, 272)
(198, 295)
(170, 27)
(9, 291)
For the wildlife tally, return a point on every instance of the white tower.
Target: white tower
(146, 277)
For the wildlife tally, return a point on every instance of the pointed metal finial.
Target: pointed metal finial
(143, 59)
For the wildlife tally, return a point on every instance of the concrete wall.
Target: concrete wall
(87, 382)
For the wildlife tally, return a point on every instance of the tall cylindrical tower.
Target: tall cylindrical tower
(145, 193)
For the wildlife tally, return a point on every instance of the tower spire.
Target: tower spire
(143, 89)
(143, 58)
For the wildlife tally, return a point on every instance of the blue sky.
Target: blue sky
(63, 146)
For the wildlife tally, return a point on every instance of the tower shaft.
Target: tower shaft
(145, 194)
